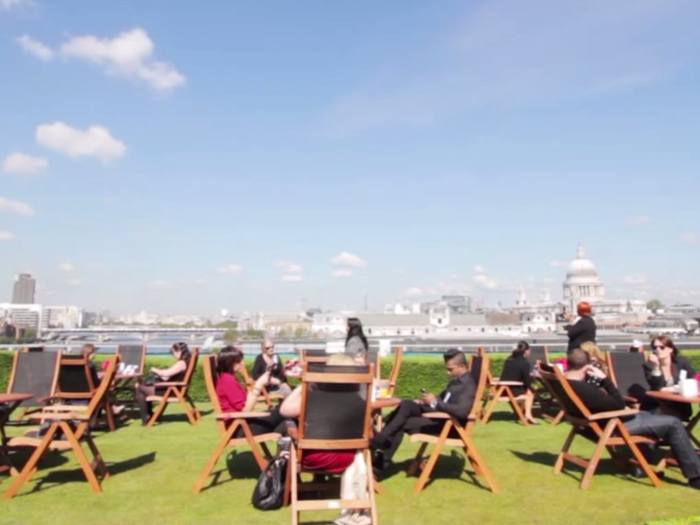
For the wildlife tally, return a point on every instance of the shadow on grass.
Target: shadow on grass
(239, 465)
(53, 479)
(505, 415)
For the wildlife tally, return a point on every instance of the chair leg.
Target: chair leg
(295, 482)
(214, 458)
(109, 414)
(432, 460)
(371, 488)
(597, 454)
(82, 458)
(189, 412)
(491, 406)
(197, 413)
(160, 409)
(98, 460)
(480, 466)
(413, 468)
(638, 455)
(31, 466)
(559, 465)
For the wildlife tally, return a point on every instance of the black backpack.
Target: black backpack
(269, 490)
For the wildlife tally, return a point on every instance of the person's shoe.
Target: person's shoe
(379, 442)
(694, 483)
(638, 473)
(378, 460)
(118, 409)
(533, 421)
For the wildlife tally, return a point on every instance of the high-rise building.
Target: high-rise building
(23, 291)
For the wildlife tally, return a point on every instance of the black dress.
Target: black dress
(517, 369)
(260, 367)
(581, 332)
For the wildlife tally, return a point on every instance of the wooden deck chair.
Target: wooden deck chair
(501, 392)
(314, 356)
(627, 372)
(34, 373)
(34, 349)
(176, 392)
(332, 418)
(479, 370)
(68, 429)
(543, 397)
(605, 429)
(238, 420)
(132, 359)
(76, 385)
(266, 397)
(538, 353)
(395, 371)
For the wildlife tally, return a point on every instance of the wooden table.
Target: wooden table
(666, 397)
(12, 401)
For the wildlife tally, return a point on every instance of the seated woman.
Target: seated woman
(175, 372)
(233, 397)
(268, 361)
(348, 462)
(517, 368)
(596, 358)
(663, 370)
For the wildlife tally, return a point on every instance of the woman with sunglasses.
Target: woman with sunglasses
(174, 373)
(269, 361)
(663, 370)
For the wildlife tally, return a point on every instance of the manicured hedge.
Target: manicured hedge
(416, 372)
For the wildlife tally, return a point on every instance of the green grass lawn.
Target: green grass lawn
(153, 471)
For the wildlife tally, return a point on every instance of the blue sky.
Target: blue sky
(175, 158)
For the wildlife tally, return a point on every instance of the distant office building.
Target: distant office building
(22, 315)
(24, 288)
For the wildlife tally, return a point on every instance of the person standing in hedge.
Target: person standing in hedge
(457, 400)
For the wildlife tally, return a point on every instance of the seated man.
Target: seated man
(457, 400)
(607, 398)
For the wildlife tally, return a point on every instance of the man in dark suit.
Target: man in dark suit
(457, 400)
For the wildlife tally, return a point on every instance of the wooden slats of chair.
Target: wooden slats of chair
(465, 441)
(177, 392)
(64, 422)
(266, 397)
(606, 430)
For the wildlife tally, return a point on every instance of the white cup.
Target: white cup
(689, 388)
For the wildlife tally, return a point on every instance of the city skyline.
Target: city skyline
(187, 160)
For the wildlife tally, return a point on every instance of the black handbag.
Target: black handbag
(151, 379)
(269, 490)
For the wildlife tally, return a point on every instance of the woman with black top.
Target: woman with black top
(267, 360)
(355, 341)
(174, 373)
(582, 329)
(663, 369)
(518, 368)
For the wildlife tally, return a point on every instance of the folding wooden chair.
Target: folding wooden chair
(238, 420)
(266, 397)
(314, 356)
(34, 373)
(176, 392)
(502, 393)
(627, 372)
(395, 371)
(479, 371)
(68, 428)
(545, 399)
(132, 359)
(332, 419)
(34, 349)
(605, 429)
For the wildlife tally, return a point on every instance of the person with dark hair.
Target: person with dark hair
(234, 398)
(607, 398)
(457, 400)
(582, 328)
(663, 369)
(269, 361)
(517, 368)
(355, 341)
(174, 373)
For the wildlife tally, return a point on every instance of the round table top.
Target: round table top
(13, 398)
(672, 396)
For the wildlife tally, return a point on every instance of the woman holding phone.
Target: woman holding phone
(269, 361)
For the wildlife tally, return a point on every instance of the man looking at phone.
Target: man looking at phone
(457, 400)
(607, 398)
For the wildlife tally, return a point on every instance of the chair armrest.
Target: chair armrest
(171, 383)
(59, 417)
(242, 415)
(507, 383)
(65, 408)
(614, 413)
(436, 415)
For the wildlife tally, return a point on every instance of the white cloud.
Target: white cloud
(414, 291)
(558, 264)
(479, 269)
(291, 278)
(24, 165)
(6, 236)
(641, 220)
(635, 279)
(9, 4)
(342, 273)
(229, 268)
(127, 55)
(485, 282)
(95, 141)
(36, 48)
(288, 267)
(159, 284)
(74, 282)
(689, 237)
(348, 259)
(17, 207)
(66, 267)
(194, 281)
